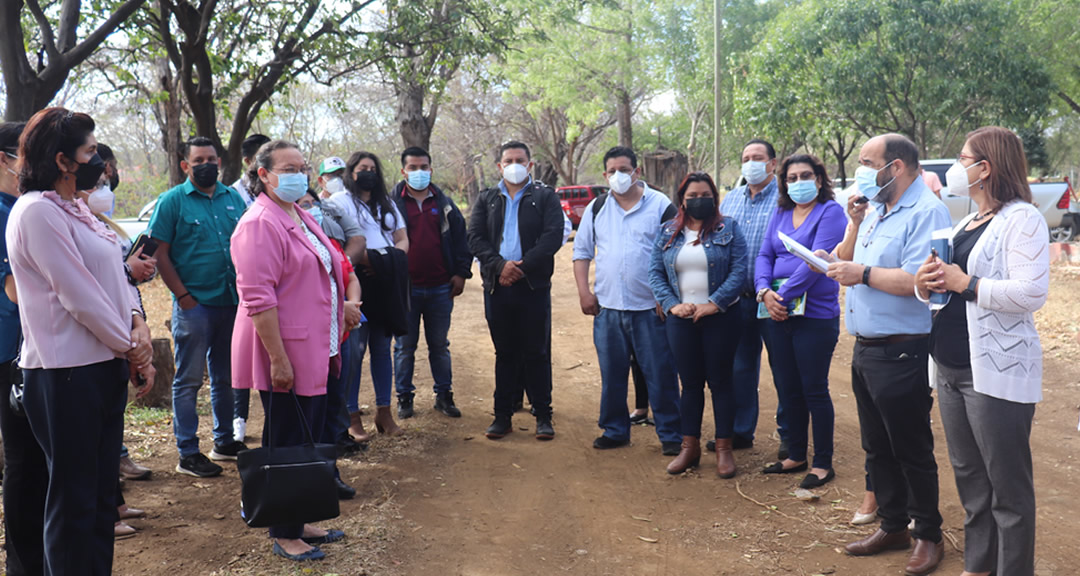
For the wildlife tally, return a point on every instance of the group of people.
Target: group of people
(282, 288)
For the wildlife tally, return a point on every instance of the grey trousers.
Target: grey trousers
(990, 449)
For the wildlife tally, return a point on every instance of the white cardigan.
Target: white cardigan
(1012, 260)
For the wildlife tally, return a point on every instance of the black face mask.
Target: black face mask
(204, 175)
(367, 180)
(701, 208)
(87, 175)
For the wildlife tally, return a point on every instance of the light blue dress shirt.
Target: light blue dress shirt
(752, 214)
(900, 239)
(510, 247)
(622, 245)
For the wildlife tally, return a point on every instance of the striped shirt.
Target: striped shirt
(752, 213)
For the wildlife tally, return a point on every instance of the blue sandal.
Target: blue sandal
(313, 554)
(331, 536)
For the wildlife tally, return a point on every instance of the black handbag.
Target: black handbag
(288, 484)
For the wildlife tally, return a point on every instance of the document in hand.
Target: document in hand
(805, 254)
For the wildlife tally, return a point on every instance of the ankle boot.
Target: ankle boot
(689, 456)
(725, 459)
(384, 422)
(356, 428)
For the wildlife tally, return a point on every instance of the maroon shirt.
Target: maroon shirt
(427, 269)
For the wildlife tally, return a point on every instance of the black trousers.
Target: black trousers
(519, 319)
(284, 428)
(26, 478)
(892, 392)
(641, 389)
(77, 415)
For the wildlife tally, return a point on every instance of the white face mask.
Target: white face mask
(335, 185)
(11, 158)
(515, 173)
(957, 177)
(620, 182)
(101, 200)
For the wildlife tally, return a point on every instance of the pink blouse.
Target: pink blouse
(75, 302)
(277, 267)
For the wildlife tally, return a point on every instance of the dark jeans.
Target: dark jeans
(800, 353)
(893, 396)
(705, 352)
(77, 415)
(284, 428)
(619, 335)
(434, 306)
(203, 337)
(747, 372)
(241, 402)
(372, 338)
(641, 389)
(519, 319)
(336, 420)
(26, 477)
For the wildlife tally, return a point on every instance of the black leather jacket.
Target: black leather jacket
(540, 227)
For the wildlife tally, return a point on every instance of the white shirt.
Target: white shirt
(241, 187)
(692, 269)
(377, 236)
(621, 242)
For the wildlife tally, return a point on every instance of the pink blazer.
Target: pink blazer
(277, 267)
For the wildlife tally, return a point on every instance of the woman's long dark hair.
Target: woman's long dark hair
(710, 223)
(379, 203)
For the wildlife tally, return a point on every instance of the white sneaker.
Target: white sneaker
(239, 426)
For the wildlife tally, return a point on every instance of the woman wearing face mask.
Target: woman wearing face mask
(384, 230)
(698, 267)
(82, 326)
(803, 312)
(986, 351)
(288, 277)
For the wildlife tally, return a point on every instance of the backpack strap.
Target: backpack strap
(669, 214)
(597, 204)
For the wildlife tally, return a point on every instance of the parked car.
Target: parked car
(574, 199)
(1053, 200)
(135, 226)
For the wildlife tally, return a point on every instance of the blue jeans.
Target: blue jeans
(436, 306)
(748, 373)
(803, 349)
(241, 402)
(202, 335)
(705, 352)
(618, 334)
(372, 338)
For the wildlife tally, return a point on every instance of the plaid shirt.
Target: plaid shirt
(752, 214)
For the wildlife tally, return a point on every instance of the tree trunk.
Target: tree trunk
(665, 170)
(415, 127)
(170, 111)
(625, 118)
(545, 172)
(160, 395)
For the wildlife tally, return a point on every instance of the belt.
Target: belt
(886, 340)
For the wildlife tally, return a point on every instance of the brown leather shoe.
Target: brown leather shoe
(132, 471)
(384, 422)
(725, 459)
(689, 456)
(356, 428)
(925, 557)
(879, 541)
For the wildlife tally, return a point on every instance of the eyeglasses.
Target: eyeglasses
(306, 170)
(10, 155)
(960, 157)
(793, 178)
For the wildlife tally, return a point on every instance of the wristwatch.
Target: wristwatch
(761, 295)
(866, 275)
(969, 295)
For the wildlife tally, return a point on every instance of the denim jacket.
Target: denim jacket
(725, 249)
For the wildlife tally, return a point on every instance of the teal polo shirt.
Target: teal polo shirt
(197, 228)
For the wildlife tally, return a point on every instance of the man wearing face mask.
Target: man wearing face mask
(628, 321)
(751, 205)
(439, 264)
(193, 224)
(248, 148)
(877, 262)
(515, 230)
(331, 172)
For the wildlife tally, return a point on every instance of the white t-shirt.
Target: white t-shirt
(377, 236)
(692, 269)
(241, 187)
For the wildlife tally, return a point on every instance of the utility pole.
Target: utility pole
(717, 29)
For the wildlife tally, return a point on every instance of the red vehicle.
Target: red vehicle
(574, 199)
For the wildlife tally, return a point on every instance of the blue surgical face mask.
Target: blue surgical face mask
(418, 179)
(866, 181)
(754, 171)
(316, 213)
(802, 191)
(291, 187)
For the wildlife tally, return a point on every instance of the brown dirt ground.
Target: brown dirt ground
(444, 500)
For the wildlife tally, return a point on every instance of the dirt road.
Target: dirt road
(445, 500)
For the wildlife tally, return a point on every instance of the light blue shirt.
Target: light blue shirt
(752, 214)
(900, 239)
(622, 245)
(510, 247)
